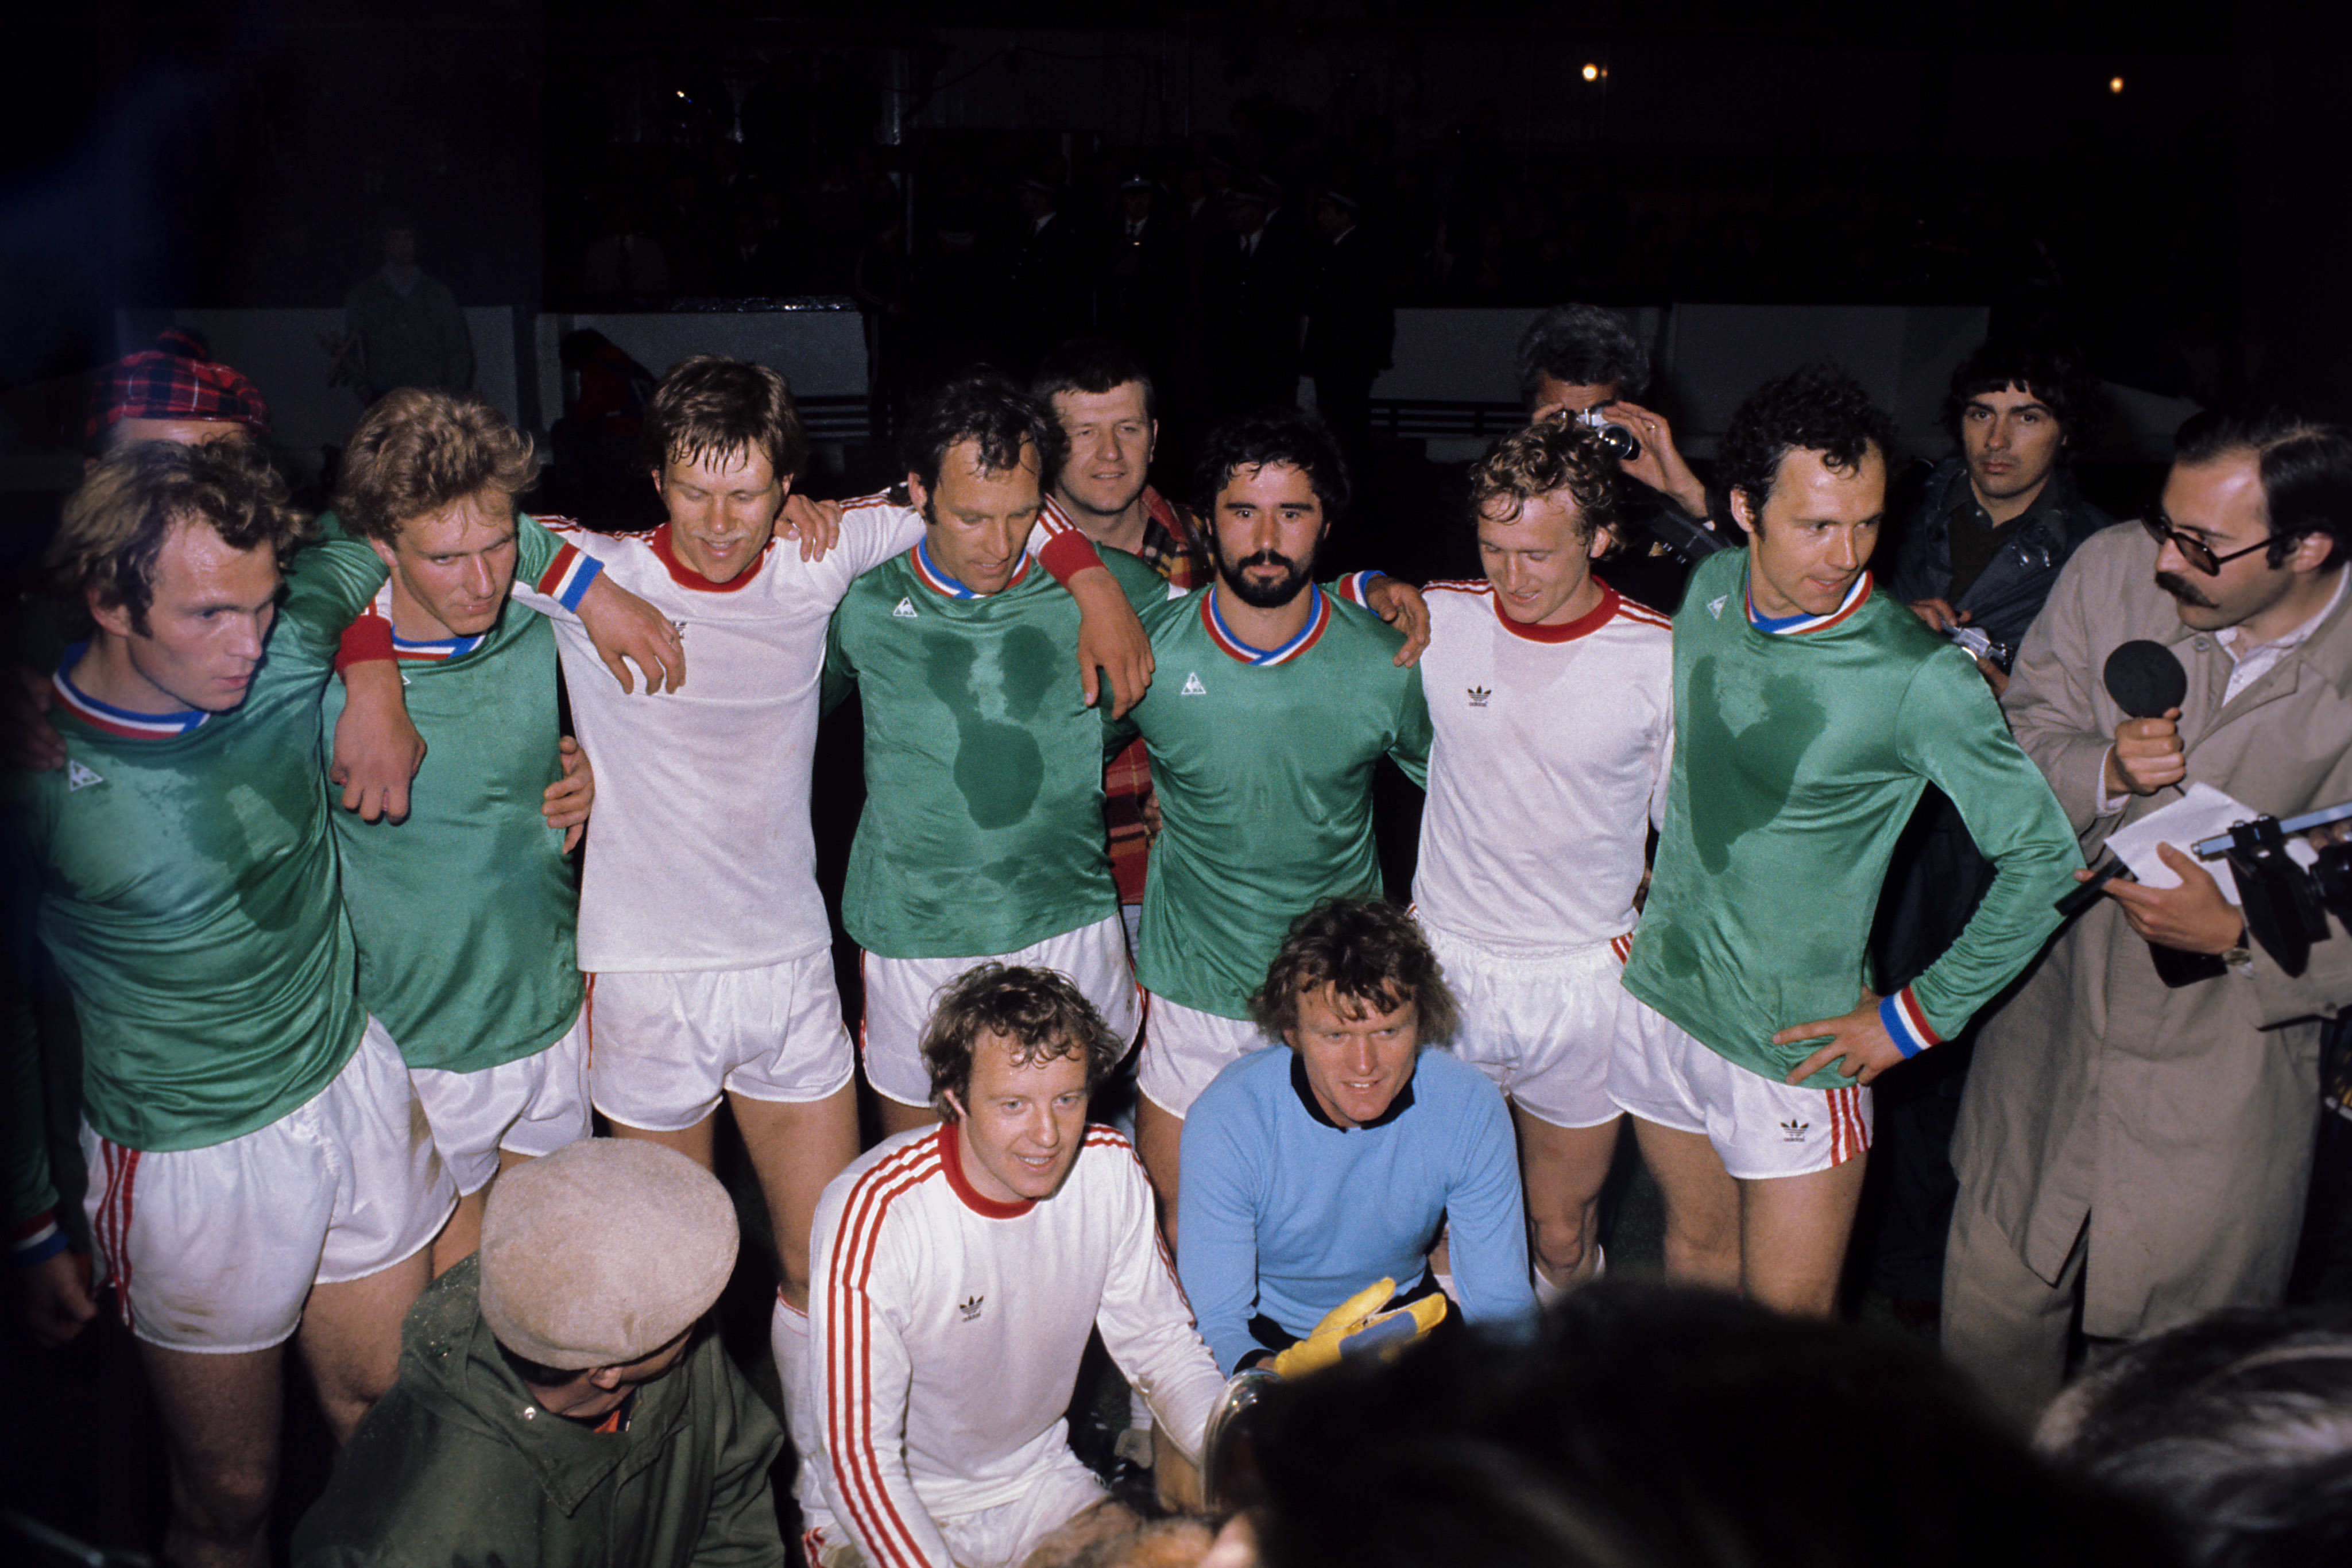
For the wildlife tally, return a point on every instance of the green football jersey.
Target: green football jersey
(186, 888)
(466, 911)
(1263, 762)
(983, 830)
(1799, 756)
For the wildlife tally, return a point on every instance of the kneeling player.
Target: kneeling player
(1552, 702)
(959, 1271)
(1315, 1168)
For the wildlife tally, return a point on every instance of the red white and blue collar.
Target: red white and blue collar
(1319, 616)
(435, 651)
(109, 719)
(1793, 625)
(931, 576)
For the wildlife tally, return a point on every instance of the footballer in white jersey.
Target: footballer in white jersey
(1551, 701)
(960, 1270)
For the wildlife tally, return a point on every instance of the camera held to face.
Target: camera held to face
(1615, 439)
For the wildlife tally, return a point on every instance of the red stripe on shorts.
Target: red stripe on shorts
(113, 1228)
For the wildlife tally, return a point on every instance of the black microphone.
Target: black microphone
(2145, 679)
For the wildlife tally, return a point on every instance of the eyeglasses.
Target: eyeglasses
(2196, 552)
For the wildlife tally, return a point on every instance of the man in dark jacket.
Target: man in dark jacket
(560, 1399)
(1998, 518)
(1975, 557)
(1253, 291)
(1350, 324)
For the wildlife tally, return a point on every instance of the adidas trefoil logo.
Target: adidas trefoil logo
(1192, 686)
(1793, 1131)
(79, 777)
(1478, 695)
(970, 1308)
(906, 611)
(1715, 606)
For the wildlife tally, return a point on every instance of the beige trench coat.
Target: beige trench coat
(2178, 1122)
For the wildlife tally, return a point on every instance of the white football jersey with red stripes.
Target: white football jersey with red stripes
(1549, 763)
(700, 854)
(945, 1332)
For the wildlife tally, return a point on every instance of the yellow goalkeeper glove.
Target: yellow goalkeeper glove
(1358, 1326)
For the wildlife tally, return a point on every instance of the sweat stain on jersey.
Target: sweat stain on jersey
(1745, 782)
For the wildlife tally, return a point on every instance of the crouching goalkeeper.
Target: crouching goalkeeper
(1316, 1167)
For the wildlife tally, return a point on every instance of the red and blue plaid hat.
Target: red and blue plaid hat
(172, 382)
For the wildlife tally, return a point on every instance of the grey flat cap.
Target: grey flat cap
(603, 1252)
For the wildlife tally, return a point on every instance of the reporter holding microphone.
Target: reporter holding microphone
(2141, 1147)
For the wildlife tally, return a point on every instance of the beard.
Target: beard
(2182, 589)
(1265, 595)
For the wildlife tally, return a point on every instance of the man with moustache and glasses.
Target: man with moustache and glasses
(2140, 1149)
(1273, 703)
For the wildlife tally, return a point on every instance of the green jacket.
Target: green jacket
(456, 1466)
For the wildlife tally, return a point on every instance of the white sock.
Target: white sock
(1547, 1290)
(1445, 1283)
(788, 1336)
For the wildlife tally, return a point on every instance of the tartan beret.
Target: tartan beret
(160, 383)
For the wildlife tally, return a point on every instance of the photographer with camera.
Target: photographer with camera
(2145, 1146)
(1580, 362)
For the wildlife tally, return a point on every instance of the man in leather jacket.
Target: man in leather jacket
(1980, 547)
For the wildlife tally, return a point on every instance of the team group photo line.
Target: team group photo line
(427, 875)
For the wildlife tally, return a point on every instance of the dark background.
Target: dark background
(2190, 228)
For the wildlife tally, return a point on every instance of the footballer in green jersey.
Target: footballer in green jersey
(982, 833)
(1810, 713)
(1272, 703)
(465, 910)
(255, 1165)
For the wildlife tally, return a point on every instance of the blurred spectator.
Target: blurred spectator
(2238, 1426)
(883, 284)
(625, 260)
(597, 473)
(753, 263)
(409, 329)
(1043, 277)
(687, 230)
(1141, 282)
(1253, 285)
(1351, 323)
(1646, 1428)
